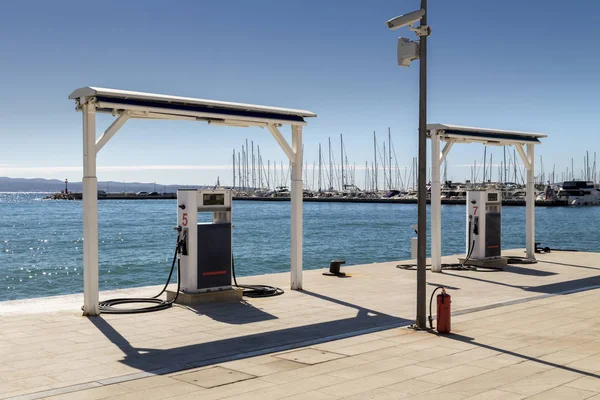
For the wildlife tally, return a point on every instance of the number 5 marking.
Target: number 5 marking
(184, 219)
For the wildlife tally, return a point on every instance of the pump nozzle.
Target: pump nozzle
(182, 244)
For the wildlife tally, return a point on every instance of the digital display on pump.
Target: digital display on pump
(493, 197)
(213, 199)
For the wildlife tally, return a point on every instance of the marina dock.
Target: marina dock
(530, 331)
(308, 199)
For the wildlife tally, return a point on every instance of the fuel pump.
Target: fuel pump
(205, 248)
(484, 227)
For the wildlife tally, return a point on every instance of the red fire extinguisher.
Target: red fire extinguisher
(443, 311)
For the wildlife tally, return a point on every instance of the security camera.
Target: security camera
(406, 19)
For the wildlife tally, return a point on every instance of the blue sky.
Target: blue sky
(523, 65)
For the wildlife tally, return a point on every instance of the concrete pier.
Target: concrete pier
(531, 331)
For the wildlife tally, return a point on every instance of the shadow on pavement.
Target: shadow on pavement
(161, 361)
(470, 340)
(235, 313)
(571, 265)
(557, 287)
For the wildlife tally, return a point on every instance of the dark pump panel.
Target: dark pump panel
(214, 255)
(493, 232)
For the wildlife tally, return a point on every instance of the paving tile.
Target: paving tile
(296, 388)
(496, 362)
(564, 357)
(453, 374)
(360, 385)
(318, 369)
(365, 347)
(431, 353)
(412, 387)
(377, 394)
(310, 356)
(382, 379)
(372, 368)
(457, 359)
(148, 383)
(587, 364)
(382, 354)
(562, 393)
(313, 395)
(591, 383)
(429, 396)
(13, 392)
(213, 377)
(496, 395)
(97, 393)
(227, 391)
(541, 382)
(265, 369)
(490, 380)
(160, 393)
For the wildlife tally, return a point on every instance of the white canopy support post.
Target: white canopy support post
(112, 129)
(90, 213)
(282, 142)
(530, 204)
(296, 199)
(436, 204)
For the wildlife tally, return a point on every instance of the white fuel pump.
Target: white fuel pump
(484, 226)
(205, 248)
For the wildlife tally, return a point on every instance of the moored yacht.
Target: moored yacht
(579, 193)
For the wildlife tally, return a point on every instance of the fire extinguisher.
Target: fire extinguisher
(443, 311)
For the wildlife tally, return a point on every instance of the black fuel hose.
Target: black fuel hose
(156, 304)
(255, 291)
(520, 260)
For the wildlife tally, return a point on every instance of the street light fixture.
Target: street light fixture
(409, 51)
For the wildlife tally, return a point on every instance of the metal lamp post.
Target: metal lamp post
(407, 52)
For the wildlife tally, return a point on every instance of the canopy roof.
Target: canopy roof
(160, 106)
(469, 134)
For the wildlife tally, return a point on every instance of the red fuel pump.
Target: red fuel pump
(443, 311)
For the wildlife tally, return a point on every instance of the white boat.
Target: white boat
(579, 193)
(456, 193)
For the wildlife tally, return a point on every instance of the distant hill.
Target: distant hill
(55, 185)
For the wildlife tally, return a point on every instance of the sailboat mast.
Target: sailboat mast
(233, 169)
(259, 167)
(253, 168)
(390, 156)
(366, 175)
(385, 182)
(342, 160)
(484, 164)
(491, 165)
(320, 164)
(375, 156)
(504, 149)
(330, 168)
(587, 165)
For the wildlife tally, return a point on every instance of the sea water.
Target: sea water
(41, 240)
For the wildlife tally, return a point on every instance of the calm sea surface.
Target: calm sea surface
(41, 241)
